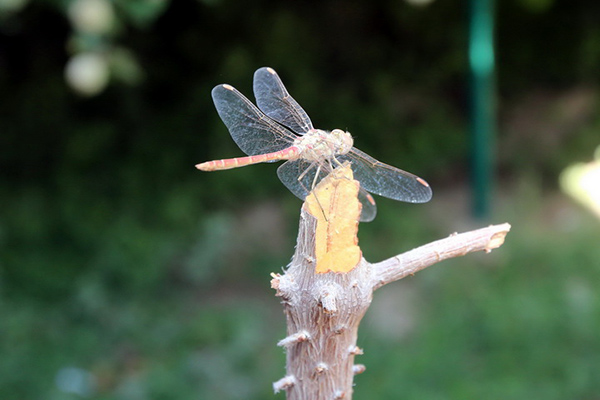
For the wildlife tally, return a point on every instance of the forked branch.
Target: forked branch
(328, 287)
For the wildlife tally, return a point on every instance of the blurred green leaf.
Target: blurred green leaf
(142, 12)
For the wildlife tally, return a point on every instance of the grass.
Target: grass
(521, 322)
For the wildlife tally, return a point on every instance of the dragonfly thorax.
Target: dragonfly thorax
(318, 145)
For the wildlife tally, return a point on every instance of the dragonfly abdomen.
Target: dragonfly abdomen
(229, 163)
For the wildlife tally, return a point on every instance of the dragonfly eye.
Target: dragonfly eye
(344, 139)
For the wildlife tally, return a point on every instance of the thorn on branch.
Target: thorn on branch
(309, 259)
(358, 369)
(321, 367)
(329, 304)
(284, 383)
(355, 350)
(295, 338)
(283, 284)
(340, 329)
(328, 298)
(275, 281)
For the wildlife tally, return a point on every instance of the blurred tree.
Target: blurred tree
(391, 73)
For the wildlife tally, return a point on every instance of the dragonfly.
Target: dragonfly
(277, 128)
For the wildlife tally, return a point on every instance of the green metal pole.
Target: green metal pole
(483, 118)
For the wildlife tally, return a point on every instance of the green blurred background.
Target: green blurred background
(127, 274)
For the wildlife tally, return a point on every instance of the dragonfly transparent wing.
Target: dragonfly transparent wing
(299, 176)
(385, 180)
(369, 209)
(275, 101)
(250, 128)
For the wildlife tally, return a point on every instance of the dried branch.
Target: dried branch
(328, 287)
(456, 245)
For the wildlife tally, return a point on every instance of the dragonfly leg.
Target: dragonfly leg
(314, 183)
(339, 164)
(304, 173)
(315, 179)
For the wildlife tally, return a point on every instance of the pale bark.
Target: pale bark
(323, 311)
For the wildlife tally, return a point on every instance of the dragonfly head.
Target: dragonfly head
(344, 139)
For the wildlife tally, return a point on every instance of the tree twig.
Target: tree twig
(456, 245)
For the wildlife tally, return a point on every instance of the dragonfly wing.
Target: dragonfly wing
(385, 180)
(299, 176)
(369, 209)
(275, 101)
(250, 128)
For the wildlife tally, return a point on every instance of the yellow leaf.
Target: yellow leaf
(334, 202)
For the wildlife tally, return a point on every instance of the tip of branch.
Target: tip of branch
(497, 239)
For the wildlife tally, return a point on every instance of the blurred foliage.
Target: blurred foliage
(119, 260)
